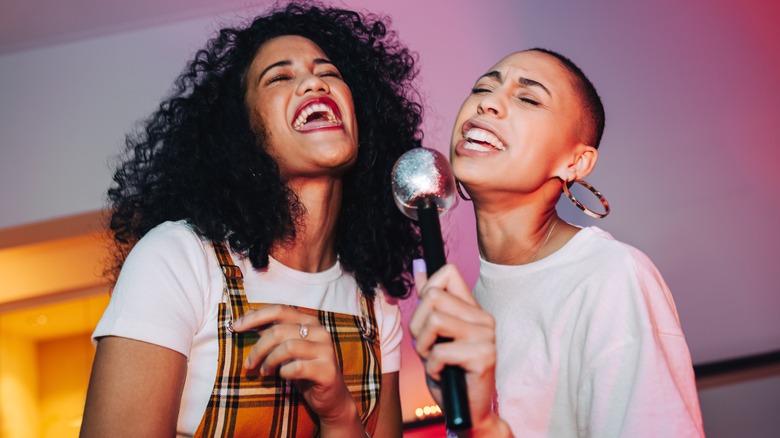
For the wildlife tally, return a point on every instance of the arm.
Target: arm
(447, 309)
(134, 390)
(389, 424)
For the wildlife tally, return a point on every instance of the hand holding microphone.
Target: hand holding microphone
(424, 186)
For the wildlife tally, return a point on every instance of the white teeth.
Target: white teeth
(315, 108)
(482, 136)
(476, 147)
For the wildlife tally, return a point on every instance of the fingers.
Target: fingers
(429, 332)
(315, 368)
(449, 279)
(447, 309)
(274, 314)
(283, 343)
(441, 314)
(440, 325)
(476, 358)
(286, 336)
(301, 350)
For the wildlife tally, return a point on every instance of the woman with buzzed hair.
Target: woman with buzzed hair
(568, 332)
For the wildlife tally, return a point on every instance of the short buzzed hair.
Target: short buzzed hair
(592, 126)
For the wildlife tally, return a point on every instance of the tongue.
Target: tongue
(317, 124)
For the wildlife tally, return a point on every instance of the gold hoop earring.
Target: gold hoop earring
(460, 191)
(579, 205)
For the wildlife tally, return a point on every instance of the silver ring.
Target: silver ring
(303, 331)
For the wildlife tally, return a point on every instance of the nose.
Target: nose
(491, 103)
(312, 83)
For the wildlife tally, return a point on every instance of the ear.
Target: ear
(581, 163)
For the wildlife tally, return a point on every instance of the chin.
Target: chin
(469, 175)
(339, 164)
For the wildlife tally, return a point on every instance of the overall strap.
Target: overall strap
(233, 282)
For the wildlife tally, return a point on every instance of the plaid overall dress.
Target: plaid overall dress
(244, 404)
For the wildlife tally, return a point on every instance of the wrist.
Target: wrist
(346, 422)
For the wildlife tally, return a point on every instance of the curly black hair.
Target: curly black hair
(197, 158)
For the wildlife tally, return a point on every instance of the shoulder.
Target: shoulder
(175, 242)
(627, 277)
(166, 289)
(171, 250)
(170, 236)
(606, 255)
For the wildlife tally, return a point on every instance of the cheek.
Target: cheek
(537, 132)
(343, 96)
(349, 104)
(347, 93)
(257, 113)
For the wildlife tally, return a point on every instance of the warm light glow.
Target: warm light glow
(73, 263)
(427, 411)
(39, 320)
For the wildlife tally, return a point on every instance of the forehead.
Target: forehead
(287, 47)
(539, 67)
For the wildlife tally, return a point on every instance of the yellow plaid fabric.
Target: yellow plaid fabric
(246, 404)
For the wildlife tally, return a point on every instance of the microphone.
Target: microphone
(423, 187)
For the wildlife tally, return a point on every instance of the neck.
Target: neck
(313, 249)
(514, 229)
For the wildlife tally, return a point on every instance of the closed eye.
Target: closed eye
(278, 78)
(333, 74)
(530, 101)
(480, 90)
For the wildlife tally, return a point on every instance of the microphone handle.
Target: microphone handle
(453, 378)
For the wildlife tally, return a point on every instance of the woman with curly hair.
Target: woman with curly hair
(258, 244)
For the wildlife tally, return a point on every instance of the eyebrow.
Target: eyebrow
(287, 62)
(521, 80)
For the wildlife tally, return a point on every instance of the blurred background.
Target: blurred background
(692, 142)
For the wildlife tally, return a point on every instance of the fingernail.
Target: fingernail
(418, 266)
(246, 363)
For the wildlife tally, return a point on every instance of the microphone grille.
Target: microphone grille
(420, 174)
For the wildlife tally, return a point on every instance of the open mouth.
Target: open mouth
(478, 139)
(317, 114)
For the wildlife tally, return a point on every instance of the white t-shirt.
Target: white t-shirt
(589, 344)
(169, 291)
